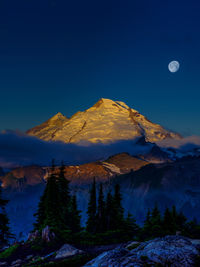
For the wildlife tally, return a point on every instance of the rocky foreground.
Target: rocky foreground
(167, 251)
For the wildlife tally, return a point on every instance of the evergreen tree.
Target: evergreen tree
(4, 223)
(118, 211)
(109, 212)
(101, 226)
(52, 203)
(75, 218)
(169, 224)
(64, 197)
(48, 209)
(174, 212)
(156, 222)
(40, 214)
(180, 221)
(91, 222)
(57, 208)
(130, 226)
(146, 231)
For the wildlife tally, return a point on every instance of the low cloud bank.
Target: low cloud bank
(183, 144)
(17, 149)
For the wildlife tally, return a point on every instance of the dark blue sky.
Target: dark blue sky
(64, 55)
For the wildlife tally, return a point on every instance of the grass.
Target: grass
(8, 252)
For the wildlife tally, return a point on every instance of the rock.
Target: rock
(47, 234)
(49, 255)
(16, 263)
(29, 257)
(195, 241)
(67, 250)
(174, 250)
(171, 251)
(4, 263)
(132, 245)
(32, 236)
(110, 258)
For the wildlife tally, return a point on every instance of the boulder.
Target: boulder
(174, 251)
(29, 257)
(66, 251)
(195, 242)
(47, 234)
(3, 263)
(16, 263)
(132, 245)
(32, 236)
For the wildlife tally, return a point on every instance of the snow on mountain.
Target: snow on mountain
(49, 127)
(107, 121)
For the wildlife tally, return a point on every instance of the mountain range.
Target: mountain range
(163, 175)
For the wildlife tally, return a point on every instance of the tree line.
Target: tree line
(106, 219)
(57, 208)
(107, 214)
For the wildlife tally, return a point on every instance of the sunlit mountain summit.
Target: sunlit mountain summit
(105, 122)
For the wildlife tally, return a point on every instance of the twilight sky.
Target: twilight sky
(64, 55)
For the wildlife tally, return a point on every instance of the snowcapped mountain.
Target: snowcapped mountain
(107, 121)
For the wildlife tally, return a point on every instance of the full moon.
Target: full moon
(173, 66)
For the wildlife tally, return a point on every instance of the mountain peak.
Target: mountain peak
(105, 122)
(109, 103)
(103, 101)
(58, 116)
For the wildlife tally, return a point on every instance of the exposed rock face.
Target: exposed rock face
(22, 177)
(176, 183)
(47, 234)
(107, 121)
(101, 170)
(172, 251)
(67, 251)
(33, 236)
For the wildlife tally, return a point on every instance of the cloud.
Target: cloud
(183, 144)
(18, 149)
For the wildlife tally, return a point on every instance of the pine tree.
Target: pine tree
(174, 213)
(101, 226)
(156, 222)
(51, 203)
(130, 227)
(40, 214)
(109, 212)
(48, 209)
(4, 223)
(118, 211)
(91, 222)
(180, 221)
(169, 225)
(64, 196)
(146, 231)
(75, 218)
